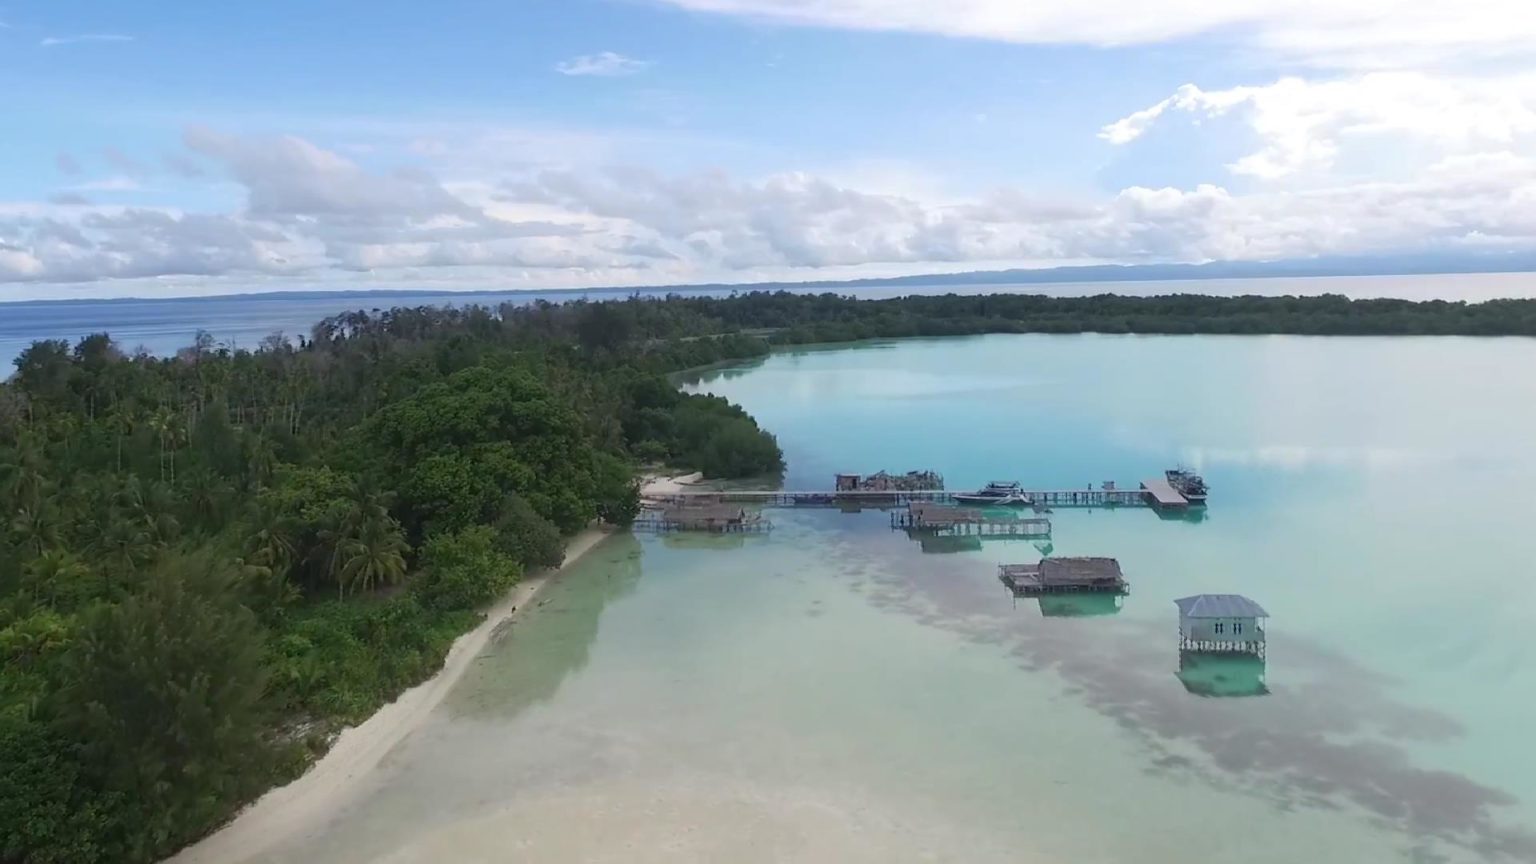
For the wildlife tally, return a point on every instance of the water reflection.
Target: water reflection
(945, 544)
(932, 545)
(726, 371)
(707, 540)
(1335, 738)
(1207, 673)
(1080, 605)
(532, 657)
(1192, 515)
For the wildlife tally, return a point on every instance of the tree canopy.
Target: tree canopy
(210, 562)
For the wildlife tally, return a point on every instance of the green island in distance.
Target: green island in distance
(212, 562)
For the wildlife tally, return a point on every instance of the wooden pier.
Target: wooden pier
(1161, 494)
(1042, 498)
(936, 519)
(1064, 576)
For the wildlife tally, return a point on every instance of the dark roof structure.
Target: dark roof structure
(1064, 574)
(1064, 571)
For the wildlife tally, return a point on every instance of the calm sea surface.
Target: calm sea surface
(836, 692)
(162, 326)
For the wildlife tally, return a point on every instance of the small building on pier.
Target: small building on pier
(713, 516)
(1064, 576)
(882, 481)
(1221, 623)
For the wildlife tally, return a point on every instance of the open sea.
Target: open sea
(835, 691)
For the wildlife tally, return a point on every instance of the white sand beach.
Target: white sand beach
(658, 486)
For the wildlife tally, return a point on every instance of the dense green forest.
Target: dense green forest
(806, 318)
(210, 562)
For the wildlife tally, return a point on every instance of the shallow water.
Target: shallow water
(832, 692)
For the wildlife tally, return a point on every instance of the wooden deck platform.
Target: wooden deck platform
(1064, 576)
(712, 517)
(1161, 493)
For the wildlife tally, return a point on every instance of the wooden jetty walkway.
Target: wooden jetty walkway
(937, 519)
(1155, 493)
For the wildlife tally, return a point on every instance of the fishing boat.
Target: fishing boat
(996, 494)
(1187, 483)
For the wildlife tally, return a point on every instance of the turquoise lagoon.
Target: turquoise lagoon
(835, 692)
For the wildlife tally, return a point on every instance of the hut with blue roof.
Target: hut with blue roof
(1221, 623)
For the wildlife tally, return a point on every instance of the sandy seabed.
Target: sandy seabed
(332, 782)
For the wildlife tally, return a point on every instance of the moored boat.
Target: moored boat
(996, 494)
(1188, 483)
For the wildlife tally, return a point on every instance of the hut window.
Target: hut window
(1237, 627)
(1219, 628)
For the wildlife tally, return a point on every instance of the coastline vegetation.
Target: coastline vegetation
(787, 318)
(210, 562)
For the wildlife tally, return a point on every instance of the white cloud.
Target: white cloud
(83, 38)
(606, 64)
(289, 178)
(1304, 125)
(800, 221)
(1329, 32)
(309, 212)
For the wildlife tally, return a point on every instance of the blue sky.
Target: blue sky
(199, 148)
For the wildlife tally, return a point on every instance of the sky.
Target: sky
(158, 148)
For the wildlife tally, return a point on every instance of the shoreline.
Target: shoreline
(309, 800)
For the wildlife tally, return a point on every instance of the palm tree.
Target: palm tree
(150, 507)
(376, 557)
(123, 423)
(169, 427)
(272, 544)
(35, 528)
(260, 462)
(204, 495)
(55, 576)
(125, 545)
(22, 477)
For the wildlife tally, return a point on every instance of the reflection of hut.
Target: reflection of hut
(1221, 623)
(938, 545)
(1079, 605)
(1210, 673)
(1064, 576)
(696, 540)
(928, 517)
